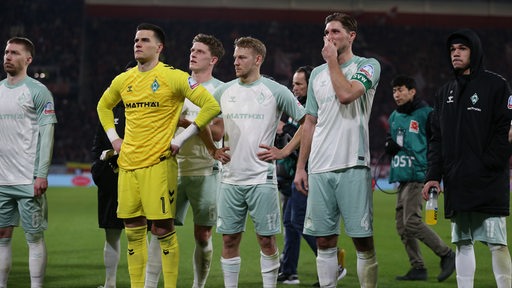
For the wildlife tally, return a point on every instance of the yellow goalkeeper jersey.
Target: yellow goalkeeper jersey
(153, 102)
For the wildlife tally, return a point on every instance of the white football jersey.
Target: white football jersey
(251, 113)
(25, 106)
(340, 139)
(193, 158)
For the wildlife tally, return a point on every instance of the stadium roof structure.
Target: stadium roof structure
(470, 13)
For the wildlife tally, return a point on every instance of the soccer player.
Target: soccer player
(251, 107)
(26, 145)
(335, 140)
(198, 172)
(104, 172)
(153, 96)
(469, 151)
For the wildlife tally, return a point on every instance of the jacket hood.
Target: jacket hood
(477, 55)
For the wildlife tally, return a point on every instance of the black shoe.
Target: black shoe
(447, 266)
(414, 274)
(317, 284)
(288, 278)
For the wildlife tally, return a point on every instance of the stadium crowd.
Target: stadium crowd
(81, 53)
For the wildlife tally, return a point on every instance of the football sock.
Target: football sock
(327, 266)
(5, 260)
(202, 262)
(231, 270)
(269, 269)
(154, 264)
(367, 267)
(465, 265)
(111, 255)
(137, 255)
(37, 258)
(501, 265)
(170, 258)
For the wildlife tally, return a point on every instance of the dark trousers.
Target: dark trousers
(294, 212)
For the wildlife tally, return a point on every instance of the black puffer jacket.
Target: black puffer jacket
(469, 148)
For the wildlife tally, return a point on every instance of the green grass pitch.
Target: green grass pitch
(75, 250)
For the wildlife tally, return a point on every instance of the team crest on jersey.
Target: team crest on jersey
(48, 109)
(155, 86)
(192, 83)
(414, 126)
(367, 70)
(509, 105)
(474, 99)
(22, 98)
(261, 98)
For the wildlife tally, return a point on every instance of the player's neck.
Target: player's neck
(250, 78)
(202, 76)
(15, 79)
(146, 66)
(345, 57)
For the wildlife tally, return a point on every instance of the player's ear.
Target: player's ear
(160, 47)
(259, 59)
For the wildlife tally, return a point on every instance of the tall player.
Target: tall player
(26, 145)
(198, 172)
(251, 108)
(153, 95)
(335, 139)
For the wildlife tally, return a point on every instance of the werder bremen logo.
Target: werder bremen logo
(474, 99)
(261, 98)
(22, 99)
(155, 86)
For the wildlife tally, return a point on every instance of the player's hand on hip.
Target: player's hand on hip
(269, 153)
(222, 155)
(175, 149)
(116, 144)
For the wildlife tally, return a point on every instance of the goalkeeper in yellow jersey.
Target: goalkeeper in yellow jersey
(153, 94)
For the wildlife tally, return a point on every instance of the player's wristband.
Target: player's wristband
(183, 136)
(112, 135)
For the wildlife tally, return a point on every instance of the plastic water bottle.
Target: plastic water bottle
(431, 207)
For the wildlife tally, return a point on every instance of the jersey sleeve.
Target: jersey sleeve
(290, 105)
(107, 102)
(311, 104)
(368, 73)
(44, 105)
(198, 95)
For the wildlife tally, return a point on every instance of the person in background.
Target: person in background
(153, 96)
(335, 141)
(198, 171)
(26, 146)
(469, 151)
(104, 171)
(251, 106)
(407, 145)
